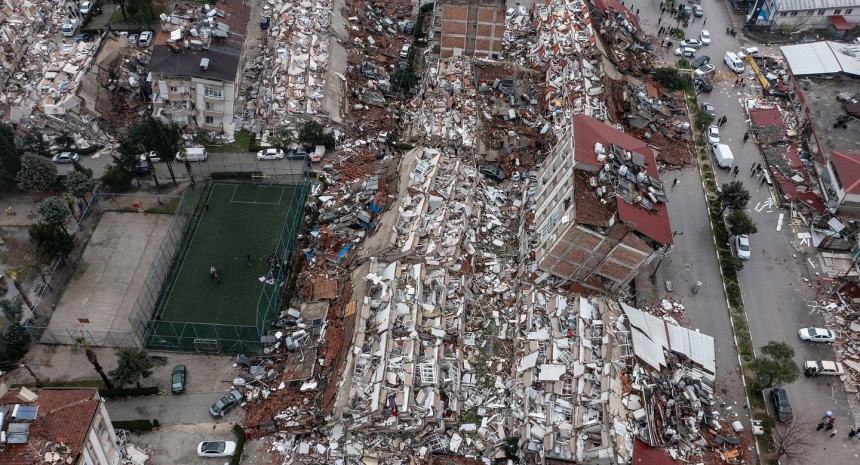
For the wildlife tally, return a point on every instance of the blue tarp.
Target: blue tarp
(374, 208)
(343, 252)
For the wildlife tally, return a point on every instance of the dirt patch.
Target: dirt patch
(16, 244)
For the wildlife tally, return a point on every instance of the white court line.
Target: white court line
(779, 221)
(256, 203)
(234, 193)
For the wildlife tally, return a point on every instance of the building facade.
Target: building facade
(72, 425)
(800, 15)
(471, 28)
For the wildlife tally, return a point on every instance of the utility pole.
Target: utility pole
(38, 381)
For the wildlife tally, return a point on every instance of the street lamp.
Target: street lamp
(38, 381)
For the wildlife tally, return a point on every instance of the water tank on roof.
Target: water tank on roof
(601, 157)
(623, 170)
(640, 177)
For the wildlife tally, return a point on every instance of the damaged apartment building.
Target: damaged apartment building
(601, 208)
(195, 66)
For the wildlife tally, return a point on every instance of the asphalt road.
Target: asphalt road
(228, 161)
(772, 281)
(170, 409)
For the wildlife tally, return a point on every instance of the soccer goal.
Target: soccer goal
(262, 180)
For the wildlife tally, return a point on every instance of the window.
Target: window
(209, 106)
(810, 13)
(213, 93)
(821, 12)
(100, 429)
(836, 175)
(783, 14)
(173, 89)
(793, 13)
(209, 120)
(837, 12)
(848, 11)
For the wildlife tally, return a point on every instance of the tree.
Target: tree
(79, 183)
(775, 366)
(14, 339)
(37, 173)
(703, 118)
(55, 211)
(673, 80)
(51, 241)
(313, 133)
(132, 366)
(64, 139)
(283, 138)
(14, 273)
(793, 441)
(152, 135)
(740, 223)
(10, 161)
(734, 196)
(119, 173)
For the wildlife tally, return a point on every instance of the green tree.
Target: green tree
(64, 139)
(405, 78)
(55, 211)
(775, 366)
(119, 173)
(79, 168)
(37, 173)
(51, 241)
(10, 161)
(740, 223)
(703, 118)
(672, 80)
(78, 184)
(14, 339)
(132, 366)
(734, 196)
(314, 133)
(152, 135)
(283, 138)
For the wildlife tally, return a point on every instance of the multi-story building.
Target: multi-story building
(801, 15)
(194, 70)
(473, 28)
(67, 425)
(600, 207)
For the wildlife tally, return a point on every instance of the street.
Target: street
(772, 281)
(170, 409)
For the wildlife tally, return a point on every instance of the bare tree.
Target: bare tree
(794, 441)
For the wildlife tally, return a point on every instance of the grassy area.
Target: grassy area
(243, 140)
(146, 16)
(168, 208)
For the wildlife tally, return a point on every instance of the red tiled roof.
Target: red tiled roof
(766, 117)
(587, 131)
(643, 454)
(848, 167)
(654, 224)
(604, 5)
(65, 415)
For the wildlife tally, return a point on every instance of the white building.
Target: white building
(811, 14)
(72, 425)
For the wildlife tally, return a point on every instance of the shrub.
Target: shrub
(135, 425)
(240, 445)
(132, 392)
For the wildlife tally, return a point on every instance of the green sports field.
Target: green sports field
(241, 219)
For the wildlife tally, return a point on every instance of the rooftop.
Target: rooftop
(824, 109)
(63, 416)
(848, 166)
(822, 57)
(223, 63)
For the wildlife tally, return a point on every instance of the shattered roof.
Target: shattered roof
(223, 63)
(652, 223)
(587, 131)
(848, 166)
(651, 335)
(604, 5)
(767, 117)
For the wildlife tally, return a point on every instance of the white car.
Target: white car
(86, 7)
(270, 154)
(742, 243)
(66, 157)
(816, 335)
(685, 51)
(713, 134)
(145, 39)
(823, 367)
(705, 37)
(692, 43)
(216, 449)
(133, 38)
(404, 52)
(152, 156)
(704, 70)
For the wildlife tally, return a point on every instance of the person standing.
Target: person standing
(675, 182)
(248, 257)
(704, 21)
(746, 136)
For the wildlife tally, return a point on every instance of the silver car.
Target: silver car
(66, 157)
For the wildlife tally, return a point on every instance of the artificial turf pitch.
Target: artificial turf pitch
(241, 219)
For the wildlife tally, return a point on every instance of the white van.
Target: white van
(753, 51)
(69, 28)
(193, 154)
(723, 155)
(733, 62)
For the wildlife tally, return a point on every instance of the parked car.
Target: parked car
(704, 70)
(86, 7)
(492, 172)
(816, 335)
(226, 403)
(700, 60)
(264, 23)
(742, 244)
(703, 85)
(145, 39)
(404, 52)
(781, 406)
(713, 134)
(152, 156)
(410, 27)
(177, 379)
(685, 8)
(685, 52)
(734, 62)
(709, 108)
(66, 157)
(692, 43)
(216, 449)
(270, 154)
(814, 368)
(70, 28)
(705, 37)
(698, 11)
(133, 38)
(754, 51)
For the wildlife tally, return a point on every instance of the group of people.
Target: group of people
(216, 272)
(829, 424)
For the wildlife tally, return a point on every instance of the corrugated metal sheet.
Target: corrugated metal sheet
(651, 335)
(645, 349)
(812, 58)
(794, 5)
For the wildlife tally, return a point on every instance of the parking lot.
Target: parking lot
(177, 444)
